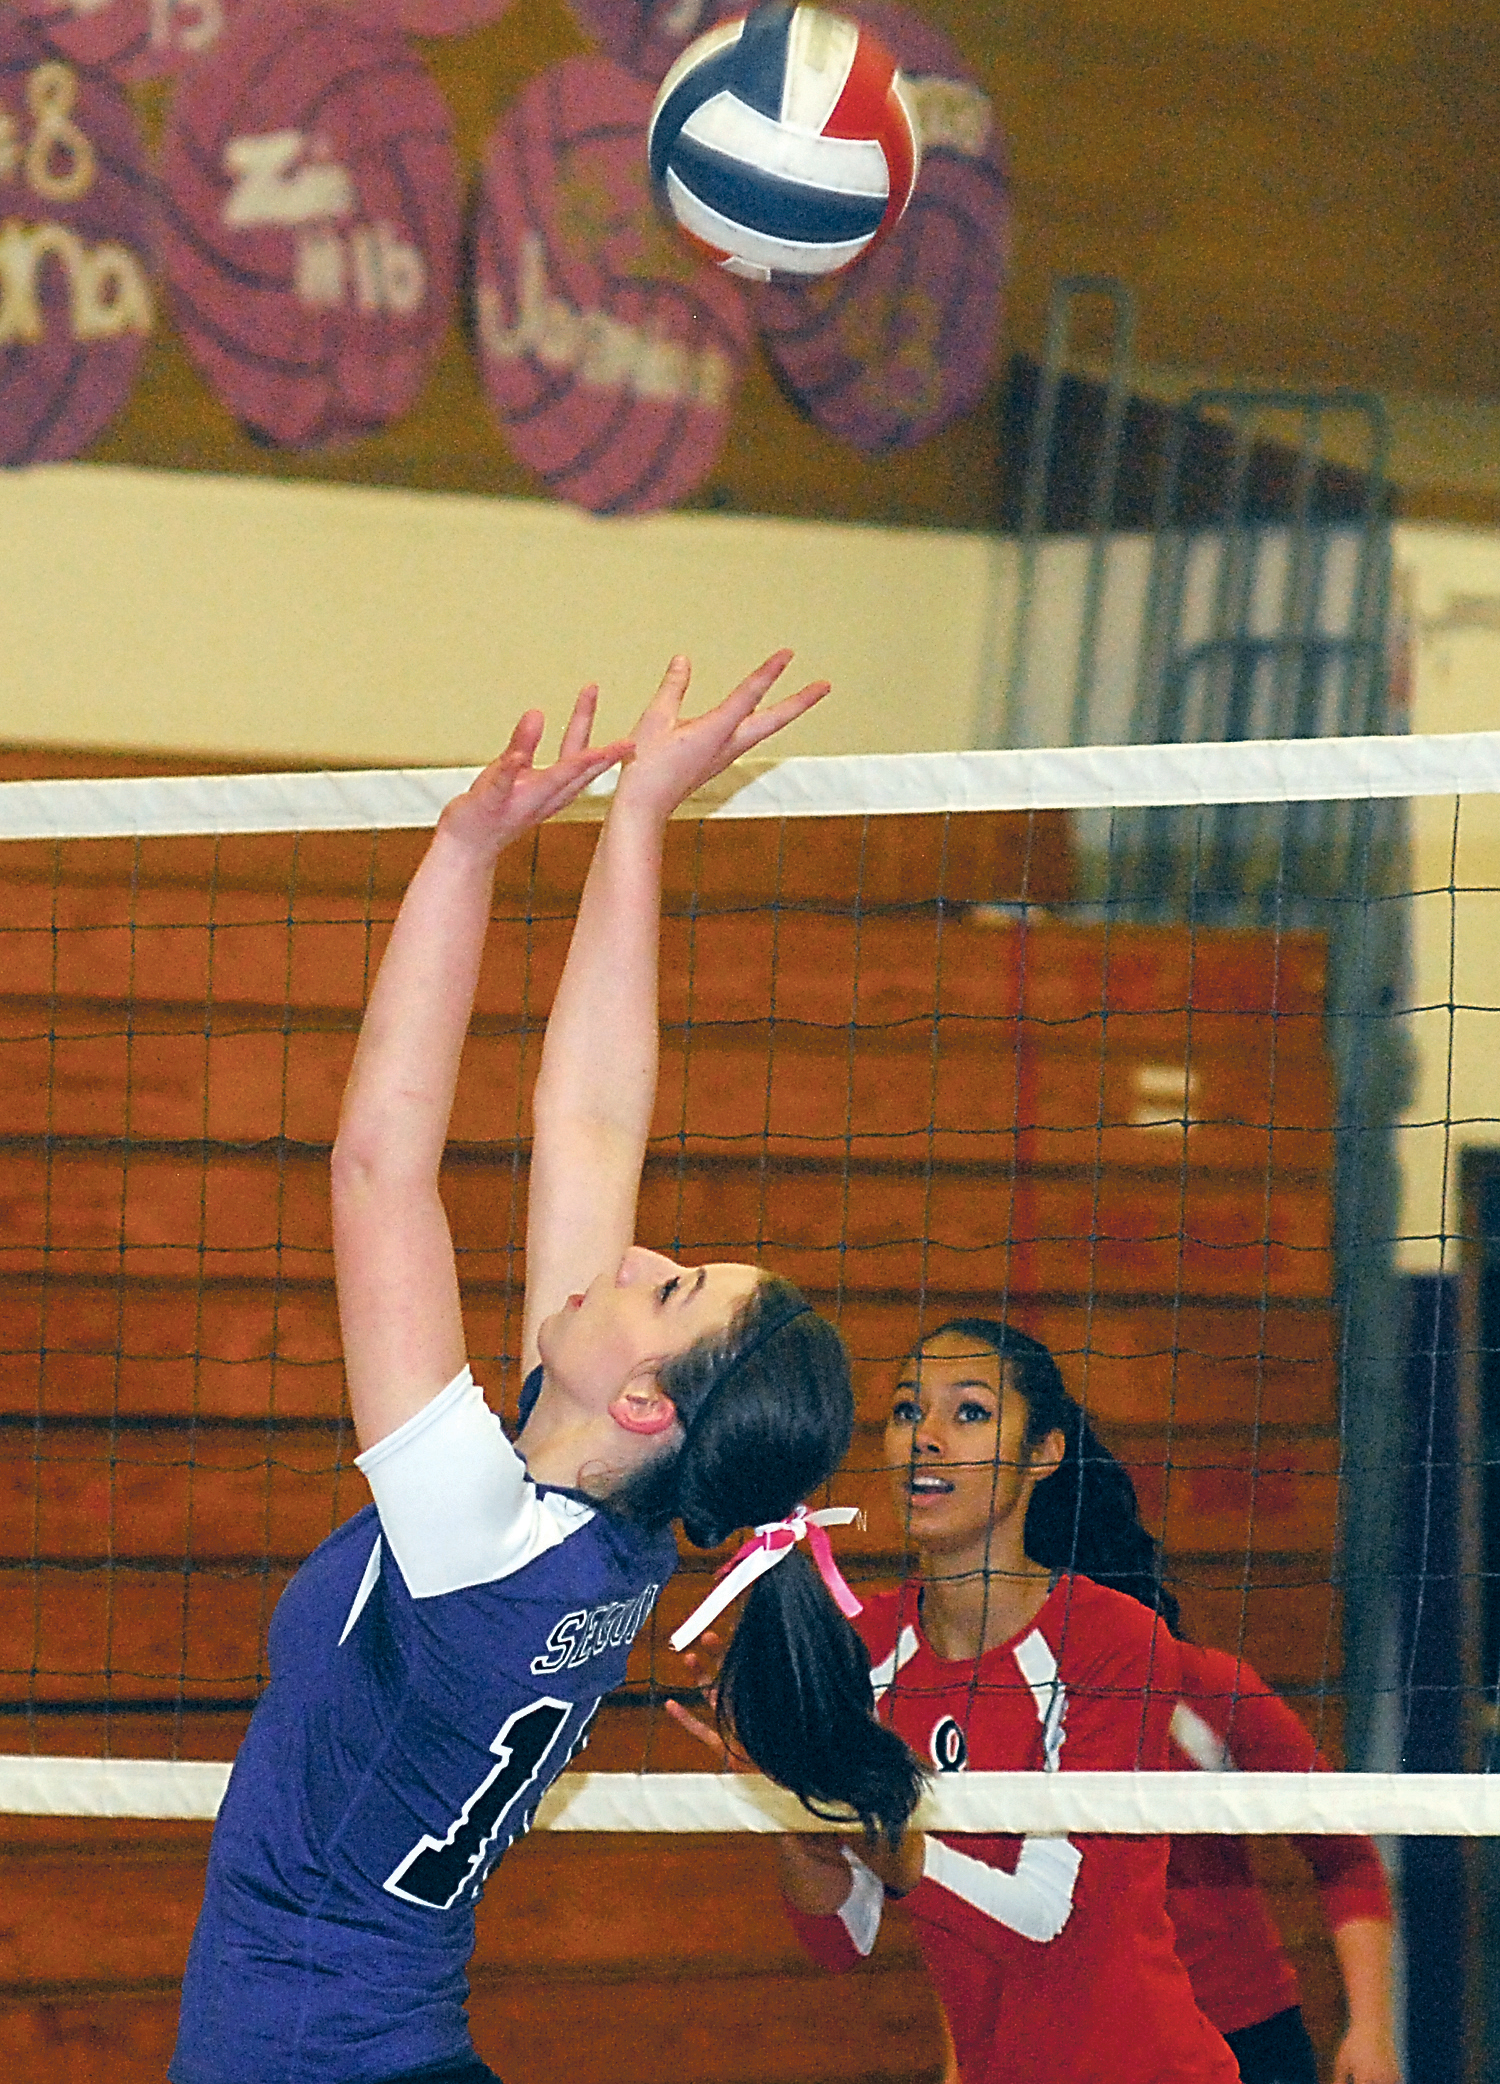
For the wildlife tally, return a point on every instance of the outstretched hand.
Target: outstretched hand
(674, 756)
(513, 794)
(707, 1732)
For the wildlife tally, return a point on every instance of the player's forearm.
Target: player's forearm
(599, 1059)
(814, 1879)
(394, 1119)
(1363, 1946)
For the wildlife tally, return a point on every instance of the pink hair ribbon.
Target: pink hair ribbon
(762, 1552)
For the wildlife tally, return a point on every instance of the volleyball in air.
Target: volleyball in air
(783, 142)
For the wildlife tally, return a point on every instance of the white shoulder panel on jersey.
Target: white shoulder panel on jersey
(456, 1506)
(882, 1675)
(1191, 1734)
(1038, 1667)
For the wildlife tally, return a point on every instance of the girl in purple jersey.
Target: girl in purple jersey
(437, 1661)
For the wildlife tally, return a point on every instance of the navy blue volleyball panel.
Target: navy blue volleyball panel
(782, 144)
(781, 209)
(761, 57)
(687, 88)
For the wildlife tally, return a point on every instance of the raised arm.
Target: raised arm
(596, 1087)
(393, 1254)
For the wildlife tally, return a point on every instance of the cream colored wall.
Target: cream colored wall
(1453, 581)
(239, 617)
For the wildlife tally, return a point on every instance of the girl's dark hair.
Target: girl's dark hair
(767, 1412)
(1085, 1516)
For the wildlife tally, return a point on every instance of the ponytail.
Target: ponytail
(794, 1693)
(767, 1412)
(1083, 1517)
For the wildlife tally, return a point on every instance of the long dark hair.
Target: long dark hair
(767, 1412)
(1085, 1516)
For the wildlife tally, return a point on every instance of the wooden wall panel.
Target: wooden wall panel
(86, 1347)
(569, 1964)
(879, 2026)
(131, 1635)
(165, 1213)
(1120, 1136)
(987, 857)
(989, 1093)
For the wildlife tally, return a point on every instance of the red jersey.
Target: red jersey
(1227, 1719)
(1054, 1957)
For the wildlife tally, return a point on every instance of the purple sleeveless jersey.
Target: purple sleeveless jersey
(432, 1670)
(610, 353)
(311, 222)
(76, 239)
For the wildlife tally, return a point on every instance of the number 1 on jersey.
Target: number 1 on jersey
(436, 1871)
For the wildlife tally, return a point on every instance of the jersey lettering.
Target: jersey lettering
(436, 1871)
(591, 1630)
(559, 1644)
(949, 1747)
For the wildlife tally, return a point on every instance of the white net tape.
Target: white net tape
(1137, 1804)
(1288, 770)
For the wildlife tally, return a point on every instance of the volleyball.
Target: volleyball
(783, 143)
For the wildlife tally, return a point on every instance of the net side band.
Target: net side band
(1279, 770)
(1137, 1804)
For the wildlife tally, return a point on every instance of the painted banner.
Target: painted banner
(133, 39)
(610, 352)
(888, 352)
(76, 306)
(645, 36)
(446, 17)
(311, 222)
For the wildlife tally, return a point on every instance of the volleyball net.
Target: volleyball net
(1174, 1056)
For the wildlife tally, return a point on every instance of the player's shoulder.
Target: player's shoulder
(1086, 1621)
(1217, 1675)
(1226, 1715)
(1100, 1607)
(879, 1621)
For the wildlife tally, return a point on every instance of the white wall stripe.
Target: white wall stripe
(1272, 770)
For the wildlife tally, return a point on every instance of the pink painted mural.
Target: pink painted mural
(311, 222)
(610, 353)
(77, 305)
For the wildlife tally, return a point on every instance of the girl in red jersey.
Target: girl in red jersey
(1054, 1957)
(1229, 1719)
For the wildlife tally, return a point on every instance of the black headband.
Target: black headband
(766, 1333)
(763, 1337)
